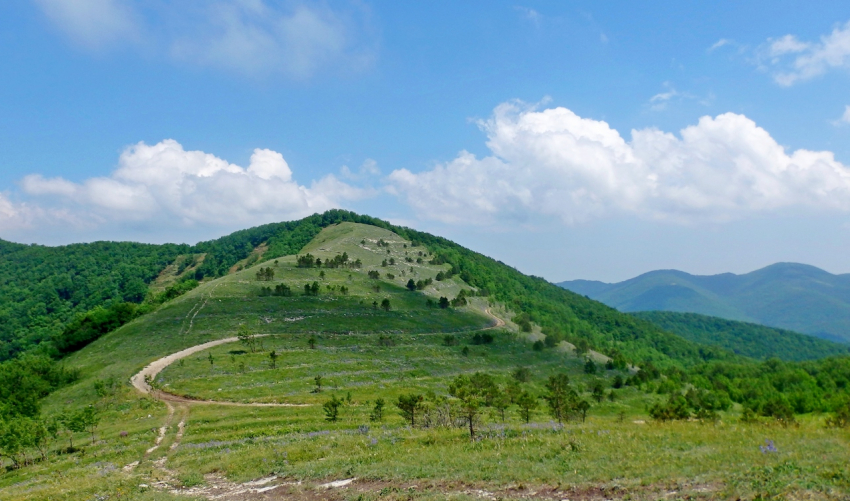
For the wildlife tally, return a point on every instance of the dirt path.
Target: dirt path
(499, 321)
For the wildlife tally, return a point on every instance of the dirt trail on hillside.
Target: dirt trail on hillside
(149, 373)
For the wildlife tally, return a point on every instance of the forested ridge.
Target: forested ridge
(744, 338)
(42, 288)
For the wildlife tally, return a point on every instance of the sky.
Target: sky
(571, 140)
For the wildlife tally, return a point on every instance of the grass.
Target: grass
(617, 448)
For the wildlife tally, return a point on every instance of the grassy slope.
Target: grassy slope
(747, 339)
(246, 443)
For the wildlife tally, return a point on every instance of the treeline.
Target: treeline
(743, 338)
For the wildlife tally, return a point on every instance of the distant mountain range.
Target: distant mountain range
(790, 296)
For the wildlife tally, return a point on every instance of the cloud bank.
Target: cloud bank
(165, 184)
(250, 37)
(555, 163)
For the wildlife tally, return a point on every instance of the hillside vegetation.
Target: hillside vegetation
(419, 368)
(789, 296)
(744, 338)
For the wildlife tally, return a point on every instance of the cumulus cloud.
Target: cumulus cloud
(252, 37)
(555, 163)
(792, 60)
(163, 182)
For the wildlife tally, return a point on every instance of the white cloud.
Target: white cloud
(555, 163)
(165, 183)
(92, 23)
(252, 37)
(845, 118)
(718, 44)
(369, 168)
(793, 61)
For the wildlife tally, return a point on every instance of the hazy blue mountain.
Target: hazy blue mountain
(790, 296)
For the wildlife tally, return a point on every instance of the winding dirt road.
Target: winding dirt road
(149, 373)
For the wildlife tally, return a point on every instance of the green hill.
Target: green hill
(401, 366)
(788, 296)
(744, 338)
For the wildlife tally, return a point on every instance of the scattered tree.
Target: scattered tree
(247, 338)
(311, 342)
(318, 381)
(527, 403)
(273, 358)
(471, 400)
(410, 405)
(558, 395)
(385, 304)
(331, 408)
(377, 411)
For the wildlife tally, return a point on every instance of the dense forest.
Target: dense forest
(43, 288)
(744, 338)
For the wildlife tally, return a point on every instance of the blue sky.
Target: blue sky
(569, 139)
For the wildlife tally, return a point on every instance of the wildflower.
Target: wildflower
(768, 447)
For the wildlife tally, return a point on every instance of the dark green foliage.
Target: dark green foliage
(527, 403)
(558, 395)
(374, 274)
(772, 387)
(444, 303)
(43, 288)
(699, 403)
(538, 345)
(460, 300)
(841, 418)
(589, 366)
(449, 340)
(331, 408)
(750, 340)
(265, 274)
(410, 405)
(169, 293)
(482, 338)
(87, 327)
(377, 413)
(281, 290)
(521, 374)
(411, 285)
(385, 304)
(27, 379)
(473, 393)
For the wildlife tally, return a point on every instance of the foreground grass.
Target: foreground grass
(719, 460)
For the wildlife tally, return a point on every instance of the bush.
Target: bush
(88, 327)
